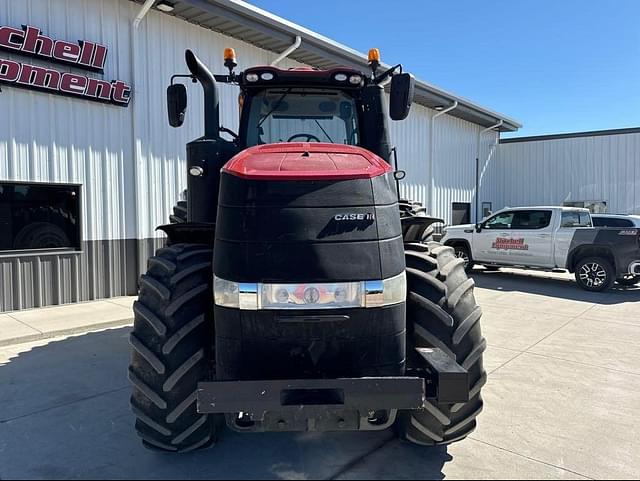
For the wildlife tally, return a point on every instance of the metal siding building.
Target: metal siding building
(602, 166)
(131, 166)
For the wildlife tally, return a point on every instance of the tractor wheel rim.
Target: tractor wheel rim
(593, 274)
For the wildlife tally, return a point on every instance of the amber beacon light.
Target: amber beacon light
(374, 55)
(230, 58)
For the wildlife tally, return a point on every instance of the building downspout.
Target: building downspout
(296, 44)
(480, 132)
(143, 13)
(432, 154)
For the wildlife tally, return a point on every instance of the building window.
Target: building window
(487, 207)
(39, 216)
(594, 206)
(461, 213)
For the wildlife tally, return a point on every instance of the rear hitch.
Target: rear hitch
(355, 404)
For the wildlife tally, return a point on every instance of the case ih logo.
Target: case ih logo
(86, 55)
(510, 244)
(345, 217)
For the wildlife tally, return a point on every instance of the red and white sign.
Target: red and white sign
(507, 244)
(86, 55)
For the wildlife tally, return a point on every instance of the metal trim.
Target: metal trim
(571, 135)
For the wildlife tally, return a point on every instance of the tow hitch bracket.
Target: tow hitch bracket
(335, 404)
(311, 395)
(446, 380)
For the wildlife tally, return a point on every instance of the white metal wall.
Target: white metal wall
(550, 172)
(454, 152)
(56, 139)
(49, 138)
(411, 138)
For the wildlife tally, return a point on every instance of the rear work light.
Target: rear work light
(337, 295)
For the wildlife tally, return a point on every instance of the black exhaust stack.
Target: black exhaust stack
(206, 155)
(211, 101)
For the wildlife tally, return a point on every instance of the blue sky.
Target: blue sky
(556, 66)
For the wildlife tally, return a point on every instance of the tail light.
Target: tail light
(338, 295)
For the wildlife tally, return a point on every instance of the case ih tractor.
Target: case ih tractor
(300, 294)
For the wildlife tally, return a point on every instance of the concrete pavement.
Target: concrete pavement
(35, 324)
(561, 402)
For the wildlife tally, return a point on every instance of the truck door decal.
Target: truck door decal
(502, 243)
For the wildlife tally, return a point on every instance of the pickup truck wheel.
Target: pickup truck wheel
(462, 252)
(628, 281)
(442, 312)
(595, 274)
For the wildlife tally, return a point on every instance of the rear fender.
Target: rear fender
(190, 233)
(416, 228)
(583, 251)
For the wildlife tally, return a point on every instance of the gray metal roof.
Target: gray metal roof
(571, 135)
(240, 20)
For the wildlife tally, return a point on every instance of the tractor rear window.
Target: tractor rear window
(39, 216)
(302, 115)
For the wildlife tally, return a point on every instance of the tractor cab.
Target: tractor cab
(336, 106)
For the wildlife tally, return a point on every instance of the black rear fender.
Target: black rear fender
(189, 233)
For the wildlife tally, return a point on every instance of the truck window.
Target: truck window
(500, 221)
(571, 219)
(611, 222)
(531, 219)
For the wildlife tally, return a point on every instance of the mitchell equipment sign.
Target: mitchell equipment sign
(85, 55)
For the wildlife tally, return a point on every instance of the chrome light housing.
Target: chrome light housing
(299, 296)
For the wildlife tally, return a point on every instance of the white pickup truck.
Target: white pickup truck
(551, 238)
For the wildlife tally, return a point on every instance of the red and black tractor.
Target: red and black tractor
(300, 293)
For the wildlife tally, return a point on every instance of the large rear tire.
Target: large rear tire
(442, 313)
(179, 215)
(172, 342)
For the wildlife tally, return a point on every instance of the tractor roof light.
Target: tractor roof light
(374, 55)
(230, 59)
(229, 54)
(355, 80)
(252, 77)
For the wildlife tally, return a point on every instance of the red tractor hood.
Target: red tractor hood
(306, 161)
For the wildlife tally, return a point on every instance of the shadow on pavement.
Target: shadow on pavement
(562, 288)
(64, 413)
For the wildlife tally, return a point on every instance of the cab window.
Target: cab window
(500, 221)
(531, 219)
(302, 115)
(572, 219)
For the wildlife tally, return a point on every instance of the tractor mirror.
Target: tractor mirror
(402, 88)
(176, 104)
